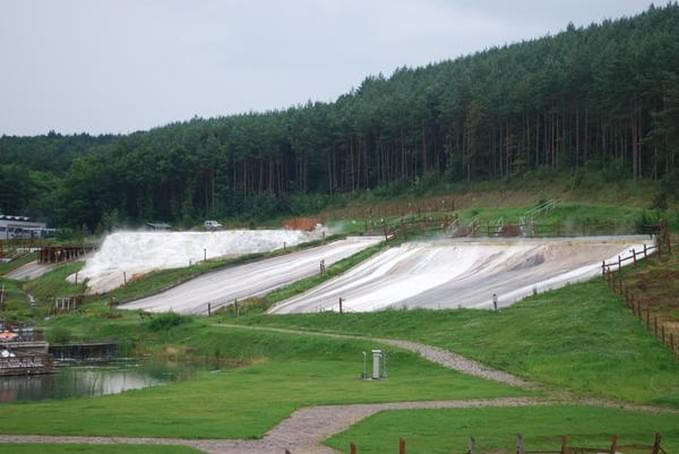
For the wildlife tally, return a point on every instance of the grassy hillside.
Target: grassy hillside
(579, 338)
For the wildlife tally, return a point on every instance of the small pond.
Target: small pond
(96, 379)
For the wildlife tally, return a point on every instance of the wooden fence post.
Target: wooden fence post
(656, 444)
(645, 250)
(614, 444)
(655, 326)
(209, 309)
(564, 445)
(519, 444)
(672, 342)
(634, 257)
(401, 446)
(471, 445)
(352, 448)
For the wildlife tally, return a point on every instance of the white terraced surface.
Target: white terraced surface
(221, 288)
(462, 273)
(138, 253)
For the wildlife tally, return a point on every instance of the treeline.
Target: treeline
(601, 97)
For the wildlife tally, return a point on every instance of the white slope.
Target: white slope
(221, 288)
(462, 273)
(136, 253)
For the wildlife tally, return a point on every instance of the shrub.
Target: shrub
(164, 322)
(59, 335)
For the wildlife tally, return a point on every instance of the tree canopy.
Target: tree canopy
(603, 96)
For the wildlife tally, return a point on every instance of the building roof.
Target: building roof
(7, 217)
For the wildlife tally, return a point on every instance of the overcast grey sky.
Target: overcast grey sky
(125, 65)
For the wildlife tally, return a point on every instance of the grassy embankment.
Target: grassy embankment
(16, 263)
(579, 338)
(591, 201)
(495, 429)
(655, 284)
(16, 305)
(278, 373)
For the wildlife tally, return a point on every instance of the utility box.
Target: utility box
(377, 364)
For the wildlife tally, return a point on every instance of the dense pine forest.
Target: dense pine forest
(601, 97)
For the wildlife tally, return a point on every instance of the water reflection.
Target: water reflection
(90, 380)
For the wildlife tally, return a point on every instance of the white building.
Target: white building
(21, 227)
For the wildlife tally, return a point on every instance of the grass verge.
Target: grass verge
(16, 263)
(495, 429)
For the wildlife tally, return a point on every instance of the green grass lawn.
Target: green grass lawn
(285, 372)
(15, 306)
(92, 449)
(579, 338)
(495, 429)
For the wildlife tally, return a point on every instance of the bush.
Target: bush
(59, 335)
(164, 322)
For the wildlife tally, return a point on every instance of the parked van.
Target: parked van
(211, 225)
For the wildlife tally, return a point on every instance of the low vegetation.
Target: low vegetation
(15, 306)
(495, 429)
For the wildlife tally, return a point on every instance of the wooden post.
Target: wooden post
(672, 342)
(634, 257)
(401, 446)
(603, 269)
(564, 445)
(471, 445)
(124, 278)
(645, 250)
(655, 326)
(619, 263)
(235, 303)
(352, 448)
(656, 444)
(519, 444)
(614, 444)
(209, 309)
(340, 305)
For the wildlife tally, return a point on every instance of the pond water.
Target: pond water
(86, 380)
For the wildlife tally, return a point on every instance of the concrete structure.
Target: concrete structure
(21, 227)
